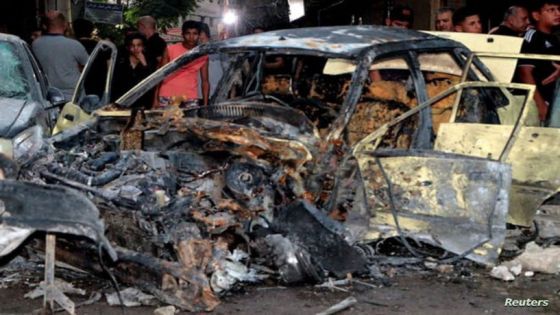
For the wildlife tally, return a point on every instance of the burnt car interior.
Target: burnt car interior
(318, 86)
(440, 71)
(298, 83)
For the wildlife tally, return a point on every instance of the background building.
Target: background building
(209, 12)
(345, 12)
(22, 16)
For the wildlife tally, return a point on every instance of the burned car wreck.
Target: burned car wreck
(290, 176)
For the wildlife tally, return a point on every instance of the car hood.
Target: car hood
(16, 115)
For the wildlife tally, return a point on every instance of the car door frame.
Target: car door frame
(79, 91)
(73, 113)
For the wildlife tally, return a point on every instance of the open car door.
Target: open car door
(517, 139)
(458, 202)
(93, 89)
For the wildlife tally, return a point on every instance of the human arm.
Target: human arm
(205, 83)
(526, 76)
(164, 61)
(81, 55)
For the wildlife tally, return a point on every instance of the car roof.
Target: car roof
(342, 40)
(10, 38)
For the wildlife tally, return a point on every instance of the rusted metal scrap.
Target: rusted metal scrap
(176, 213)
(56, 209)
(457, 204)
(226, 185)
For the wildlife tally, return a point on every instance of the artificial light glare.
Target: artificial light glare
(230, 18)
(297, 9)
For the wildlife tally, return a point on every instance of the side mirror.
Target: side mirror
(55, 97)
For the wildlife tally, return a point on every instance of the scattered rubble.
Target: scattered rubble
(62, 285)
(538, 259)
(344, 304)
(548, 221)
(131, 297)
(533, 259)
(529, 274)
(189, 224)
(502, 273)
(165, 310)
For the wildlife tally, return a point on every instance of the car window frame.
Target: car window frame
(376, 136)
(79, 90)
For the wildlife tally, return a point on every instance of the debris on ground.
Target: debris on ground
(538, 259)
(62, 285)
(502, 273)
(344, 304)
(198, 220)
(165, 310)
(131, 297)
(548, 221)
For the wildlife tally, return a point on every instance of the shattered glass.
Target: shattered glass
(13, 83)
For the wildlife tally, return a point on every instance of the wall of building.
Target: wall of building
(422, 12)
(64, 6)
(209, 12)
(18, 17)
(270, 14)
(368, 12)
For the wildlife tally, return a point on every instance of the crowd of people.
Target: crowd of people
(144, 51)
(63, 57)
(536, 24)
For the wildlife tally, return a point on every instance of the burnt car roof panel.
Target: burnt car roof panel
(346, 40)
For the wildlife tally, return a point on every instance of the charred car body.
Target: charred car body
(535, 182)
(300, 167)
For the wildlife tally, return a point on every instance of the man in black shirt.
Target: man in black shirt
(516, 21)
(155, 45)
(543, 74)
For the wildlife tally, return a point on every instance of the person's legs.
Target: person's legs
(554, 118)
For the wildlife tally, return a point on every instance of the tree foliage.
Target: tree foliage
(165, 12)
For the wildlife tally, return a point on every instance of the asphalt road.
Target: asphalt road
(409, 292)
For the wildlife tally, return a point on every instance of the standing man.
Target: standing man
(516, 21)
(444, 19)
(540, 40)
(216, 63)
(155, 45)
(400, 16)
(182, 85)
(60, 57)
(467, 20)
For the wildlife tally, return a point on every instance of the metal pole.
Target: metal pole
(50, 246)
